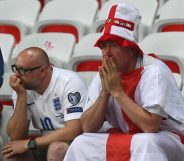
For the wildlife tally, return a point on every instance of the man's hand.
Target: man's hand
(104, 91)
(15, 83)
(13, 148)
(110, 76)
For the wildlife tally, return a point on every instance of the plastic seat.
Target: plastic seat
(164, 43)
(68, 16)
(17, 17)
(176, 65)
(58, 46)
(170, 17)
(7, 45)
(5, 116)
(86, 58)
(148, 11)
(168, 44)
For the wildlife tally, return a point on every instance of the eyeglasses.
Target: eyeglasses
(21, 70)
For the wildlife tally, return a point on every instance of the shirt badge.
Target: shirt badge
(74, 98)
(57, 104)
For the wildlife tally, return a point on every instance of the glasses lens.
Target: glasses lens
(13, 68)
(19, 70)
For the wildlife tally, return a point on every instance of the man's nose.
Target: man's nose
(107, 52)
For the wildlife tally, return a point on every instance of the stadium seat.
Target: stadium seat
(148, 11)
(7, 45)
(176, 65)
(167, 44)
(86, 57)
(164, 43)
(17, 17)
(5, 116)
(170, 17)
(67, 16)
(59, 46)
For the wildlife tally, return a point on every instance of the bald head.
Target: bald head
(33, 56)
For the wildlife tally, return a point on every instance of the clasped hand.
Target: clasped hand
(110, 76)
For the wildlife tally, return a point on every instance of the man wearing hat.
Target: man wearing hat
(138, 96)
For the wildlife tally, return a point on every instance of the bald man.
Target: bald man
(52, 98)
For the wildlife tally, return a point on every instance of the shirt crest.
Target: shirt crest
(57, 104)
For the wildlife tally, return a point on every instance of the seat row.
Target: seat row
(80, 17)
(83, 56)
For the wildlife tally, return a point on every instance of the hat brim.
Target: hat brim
(119, 40)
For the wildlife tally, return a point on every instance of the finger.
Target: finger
(113, 65)
(13, 79)
(11, 154)
(18, 81)
(101, 73)
(105, 65)
(7, 150)
(108, 66)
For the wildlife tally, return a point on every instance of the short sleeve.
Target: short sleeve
(93, 92)
(158, 92)
(74, 99)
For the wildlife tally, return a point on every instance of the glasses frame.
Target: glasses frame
(23, 71)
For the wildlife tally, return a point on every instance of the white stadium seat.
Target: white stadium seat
(170, 17)
(86, 57)
(69, 16)
(58, 46)
(17, 17)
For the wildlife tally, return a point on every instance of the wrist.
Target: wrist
(32, 144)
(22, 93)
(104, 94)
(116, 93)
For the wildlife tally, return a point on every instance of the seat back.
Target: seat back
(5, 116)
(176, 65)
(165, 44)
(17, 17)
(170, 17)
(58, 46)
(86, 58)
(68, 16)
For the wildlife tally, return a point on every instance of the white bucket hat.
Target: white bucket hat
(122, 26)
